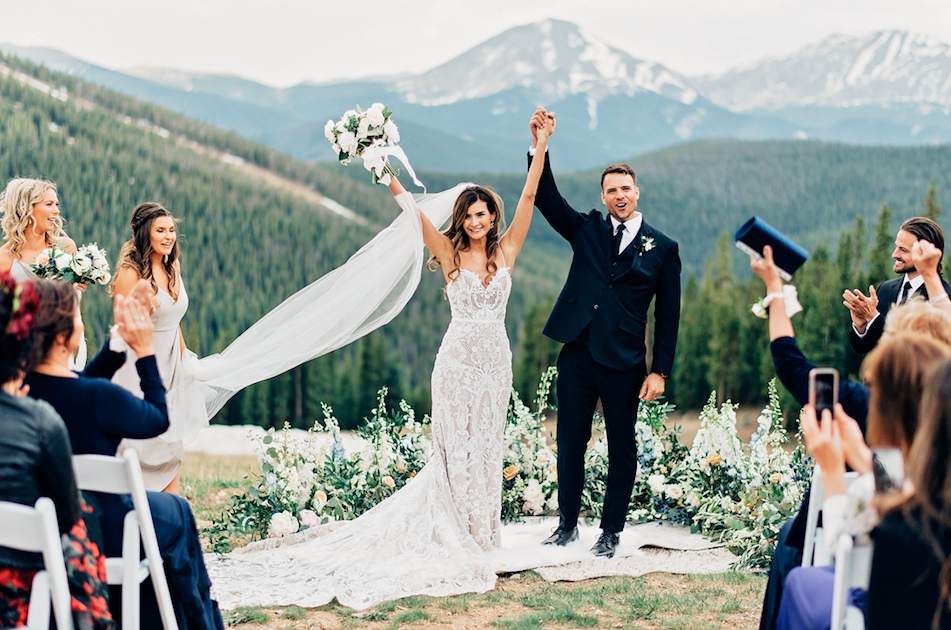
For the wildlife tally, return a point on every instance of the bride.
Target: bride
(430, 537)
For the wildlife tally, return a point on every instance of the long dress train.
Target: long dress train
(430, 537)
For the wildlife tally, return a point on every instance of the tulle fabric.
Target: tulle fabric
(363, 294)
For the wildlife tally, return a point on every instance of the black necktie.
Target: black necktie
(618, 235)
(905, 292)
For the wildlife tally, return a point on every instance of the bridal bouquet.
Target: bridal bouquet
(88, 265)
(366, 134)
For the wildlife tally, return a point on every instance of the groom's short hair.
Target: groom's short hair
(623, 169)
(924, 228)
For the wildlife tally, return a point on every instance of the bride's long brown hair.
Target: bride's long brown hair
(137, 251)
(458, 236)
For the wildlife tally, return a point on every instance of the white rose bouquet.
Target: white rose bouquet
(372, 135)
(88, 265)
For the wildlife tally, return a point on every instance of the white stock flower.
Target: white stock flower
(390, 131)
(656, 483)
(282, 524)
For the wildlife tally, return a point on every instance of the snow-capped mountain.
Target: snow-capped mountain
(884, 69)
(554, 58)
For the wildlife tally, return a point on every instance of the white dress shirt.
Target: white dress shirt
(631, 227)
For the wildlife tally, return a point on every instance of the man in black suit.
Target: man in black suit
(620, 264)
(868, 313)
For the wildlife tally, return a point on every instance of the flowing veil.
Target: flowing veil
(363, 294)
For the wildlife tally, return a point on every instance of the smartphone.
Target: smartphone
(823, 389)
(888, 468)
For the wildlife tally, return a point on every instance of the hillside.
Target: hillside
(256, 226)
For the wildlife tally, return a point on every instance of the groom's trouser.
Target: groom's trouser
(581, 382)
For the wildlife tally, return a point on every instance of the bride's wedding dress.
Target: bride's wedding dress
(430, 537)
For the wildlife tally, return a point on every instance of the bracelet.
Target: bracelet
(939, 299)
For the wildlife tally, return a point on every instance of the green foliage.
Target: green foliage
(246, 614)
(881, 254)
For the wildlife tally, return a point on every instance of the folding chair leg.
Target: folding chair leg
(130, 570)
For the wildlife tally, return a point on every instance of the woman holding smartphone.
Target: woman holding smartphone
(895, 373)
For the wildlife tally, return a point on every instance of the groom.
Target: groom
(619, 265)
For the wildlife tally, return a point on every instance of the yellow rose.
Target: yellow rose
(388, 482)
(510, 472)
(776, 477)
(714, 459)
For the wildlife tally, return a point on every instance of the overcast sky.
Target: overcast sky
(283, 42)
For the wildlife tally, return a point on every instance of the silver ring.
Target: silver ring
(141, 318)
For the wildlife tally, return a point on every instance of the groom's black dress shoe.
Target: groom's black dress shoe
(606, 545)
(562, 537)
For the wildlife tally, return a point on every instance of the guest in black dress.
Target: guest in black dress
(36, 461)
(98, 415)
(910, 582)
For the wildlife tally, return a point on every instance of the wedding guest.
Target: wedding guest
(792, 369)
(895, 372)
(35, 461)
(99, 414)
(868, 312)
(910, 580)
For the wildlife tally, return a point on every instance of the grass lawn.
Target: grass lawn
(520, 601)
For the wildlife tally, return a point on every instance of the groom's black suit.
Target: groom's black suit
(887, 293)
(601, 317)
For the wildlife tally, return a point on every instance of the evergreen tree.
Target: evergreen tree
(931, 203)
(538, 352)
(880, 263)
(719, 298)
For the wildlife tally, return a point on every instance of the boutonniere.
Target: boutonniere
(647, 244)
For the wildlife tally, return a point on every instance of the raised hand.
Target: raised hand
(134, 325)
(767, 270)
(546, 128)
(824, 444)
(857, 453)
(862, 308)
(537, 122)
(925, 256)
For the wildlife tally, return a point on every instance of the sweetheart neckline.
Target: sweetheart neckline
(485, 287)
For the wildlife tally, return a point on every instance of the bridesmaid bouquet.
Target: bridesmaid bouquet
(88, 265)
(370, 134)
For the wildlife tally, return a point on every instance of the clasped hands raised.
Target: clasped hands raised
(542, 122)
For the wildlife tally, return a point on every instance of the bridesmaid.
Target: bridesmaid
(31, 223)
(152, 254)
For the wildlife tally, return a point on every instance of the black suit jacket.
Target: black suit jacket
(887, 295)
(615, 308)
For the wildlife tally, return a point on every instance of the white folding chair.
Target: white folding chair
(35, 529)
(853, 566)
(123, 475)
(814, 551)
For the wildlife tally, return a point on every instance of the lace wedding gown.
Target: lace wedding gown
(430, 538)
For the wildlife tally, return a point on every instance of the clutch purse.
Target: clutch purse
(787, 254)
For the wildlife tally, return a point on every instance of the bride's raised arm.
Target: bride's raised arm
(437, 242)
(514, 237)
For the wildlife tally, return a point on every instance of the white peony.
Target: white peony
(673, 491)
(347, 142)
(656, 483)
(363, 127)
(692, 500)
(309, 518)
(375, 115)
(329, 130)
(533, 493)
(282, 524)
(62, 260)
(81, 263)
(390, 131)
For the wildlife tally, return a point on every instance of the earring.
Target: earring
(492, 224)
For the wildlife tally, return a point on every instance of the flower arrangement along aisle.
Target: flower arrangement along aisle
(719, 487)
(88, 265)
(372, 135)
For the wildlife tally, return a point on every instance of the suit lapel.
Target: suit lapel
(638, 246)
(607, 241)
